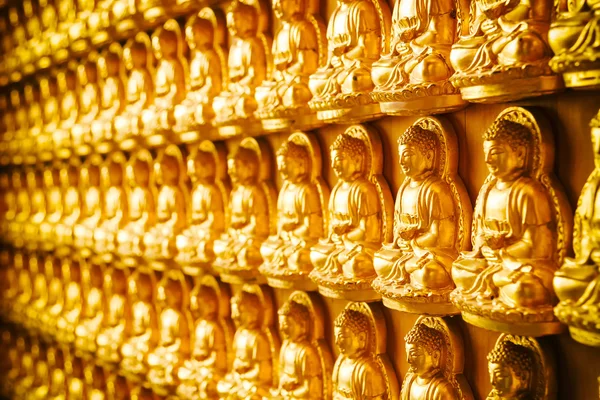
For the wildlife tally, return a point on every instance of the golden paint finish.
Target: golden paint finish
(576, 282)
(73, 301)
(68, 89)
(255, 346)
(300, 218)
(505, 53)
(573, 37)
(89, 101)
(91, 190)
(432, 221)
(357, 35)
(252, 205)
(521, 229)
(299, 49)
(435, 353)
(205, 35)
(123, 15)
(211, 352)
(362, 370)
(92, 309)
(50, 104)
(71, 207)
(248, 65)
(520, 368)
(360, 218)
(305, 361)
(413, 78)
(207, 170)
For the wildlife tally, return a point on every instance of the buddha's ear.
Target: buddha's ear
(436, 356)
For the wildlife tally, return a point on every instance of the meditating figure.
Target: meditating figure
(92, 312)
(91, 210)
(71, 205)
(89, 104)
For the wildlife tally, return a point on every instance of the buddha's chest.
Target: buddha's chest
(244, 346)
(496, 204)
(344, 381)
(341, 200)
(289, 359)
(418, 391)
(410, 200)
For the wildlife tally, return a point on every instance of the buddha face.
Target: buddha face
(291, 327)
(167, 171)
(345, 167)
(504, 162)
(349, 342)
(506, 383)
(242, 167)
(421, 360)
(200, 35)
(173, 294)
(138, 53)
(414, 161)
(249, 314)
(165, 44)
(202, 167)
(286, 10)
(291, 169)
(137, 173)
(241, 21)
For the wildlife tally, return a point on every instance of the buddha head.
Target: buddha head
(173, 293)
(243, 166)
(352, 333)
(201, 166)
(206, 302)
(289, 10)
(200, 34)
(293, 162)
(49, 178)
(294, 321)
(164, 44)
(250, 310)
(166, 170)
(242, 20)
(417, 149)
(143, 287)
(506, 145)
(112, 174)
(424, 347)
(87, 72)
(136, 56)
(347, 157)
(17, 179)
(118, 282)
(138, 173)
(96, 276)
(109, 64)
(511, 369)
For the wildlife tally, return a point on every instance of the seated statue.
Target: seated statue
(238, 251)
(141, 202)
(37, 213)
(54, 208)
(144, 325)
(22, 209)
(357, 35)
(298, 50)
(360, 372)
(577, 281)
(171, 205)
(247, 62)
(304, 360)
(431, 375)
(68, 89)
(32, 310)
(91, 207)
(430, 219)
(175, 327)
(92, 312)
(213, 334)
(116, 323)
(300, 215)
(139, 93)
(71, 205)
(89, 104)
(205, 167)
(50, 103)
(516, 247)
(419, 58)
(56, 297)
(112, 93)
(169, 80)
(115, 205)
(251, 376)
(204, 34)
(358, 210)
(504, 54)
(68, 320)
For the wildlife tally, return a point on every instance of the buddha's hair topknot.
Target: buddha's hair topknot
(416, 135)
(349, 145)
(290, 149)
(518, 358)
(515, 134)
(431, 339)
(354, 321)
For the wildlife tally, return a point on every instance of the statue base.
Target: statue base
(240, 127)
(427, 105)
(201, 132)
(533, 329)
(507, 88)
(289, 121)
(588, 80)
(434, 309)
(239, 277)
(125, 27)
(585, 337)
(362, 295)
(101, 38)
(290, 281)
(352, 115)
(582, 321)
(105, 147)
(196, 268)
(154, 15)
(44, 63)
(130, 143)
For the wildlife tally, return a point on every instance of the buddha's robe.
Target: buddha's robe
(130, 238)
(112, 335)
(91, 318)
(139, 86)
(135, 349)
(437, 388)
(299, 367)
(165, 357)
(360, 379)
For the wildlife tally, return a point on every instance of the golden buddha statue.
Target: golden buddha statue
(116, 324)
(37, 204)
(211, 348)
(71, 205)
(503, 55)
(54, 208)
(299, 49)
(50, 104)
(171, 207)
(56, 296)
(252, 218)
(170, 83)
(59, 42)
(72, 306)
(31, 311)
(576, 282)
(48, 26)
(24, 380)
(255, 347)
(138, 59)
(520, 369)
(358, 33)
(432, 221)
(207, 170)
(22, 209)
(23, 97)
(175, 327)
(305, 362)
(360, 218)
(300, 221)
(413, 77)
(434, 351)
(91, 205)
(248, 65)
(68, 88)
(112, 95)
(89, 104)
(142, 210)
(153, 10)
(99, 23)
(144, 324)
(93, 308)
(521, 229)
(57, 389)
(205, 37)
(362, 370)
(35, 124)
(114, 201)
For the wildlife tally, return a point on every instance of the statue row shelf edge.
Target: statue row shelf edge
(354, 243)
